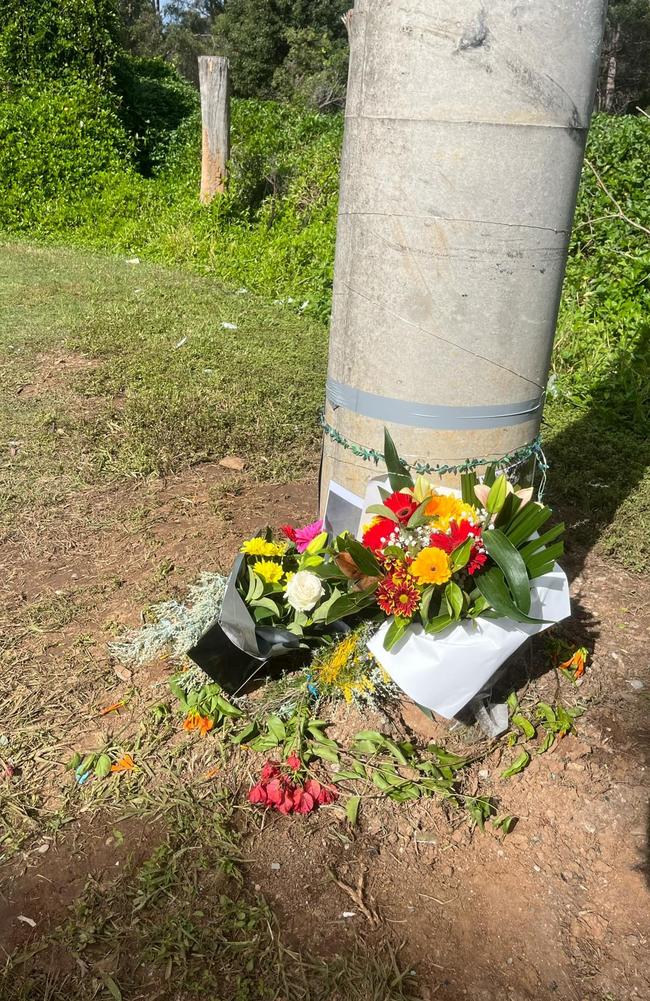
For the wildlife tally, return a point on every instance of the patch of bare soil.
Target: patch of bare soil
(557, 909)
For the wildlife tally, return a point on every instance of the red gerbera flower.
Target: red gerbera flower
(377, 536)
(396, 596)
(402, 505)
(458, 533)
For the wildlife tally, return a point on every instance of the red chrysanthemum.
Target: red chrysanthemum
(402, 505)
(376, 537)
(478, 559)
(396, 596)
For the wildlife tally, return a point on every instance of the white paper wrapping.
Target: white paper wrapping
(444, 671)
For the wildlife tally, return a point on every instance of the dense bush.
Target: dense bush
(153, 101)
(605, 317)
(54, 38)
(57, 145)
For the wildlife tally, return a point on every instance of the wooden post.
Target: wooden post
(215, 118)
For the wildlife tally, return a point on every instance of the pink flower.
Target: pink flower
(293, 761)
(305, 535)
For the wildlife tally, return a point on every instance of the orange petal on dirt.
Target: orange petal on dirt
(112, 708)
(125, 764)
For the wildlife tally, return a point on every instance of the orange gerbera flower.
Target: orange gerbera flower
(446, 509)
(576, 663)
(431, 566)
(125, 764)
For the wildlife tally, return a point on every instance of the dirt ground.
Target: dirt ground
(557, 909)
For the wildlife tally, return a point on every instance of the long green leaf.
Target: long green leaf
(382, 510)
(492, 585)
(512, 564)
(517, 766)
(398, 474)
(467, 483)
(437, 624)
(527, 520)
(542, 540)
(352, 809)
(543, 562)
(395, 632)
(454, 599)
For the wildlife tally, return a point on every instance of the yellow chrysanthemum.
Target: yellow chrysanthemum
(431, 566)
(260, 547)
(446, 509)
(369, 525)
(270, 572)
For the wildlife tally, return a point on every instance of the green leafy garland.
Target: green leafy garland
(509, 460)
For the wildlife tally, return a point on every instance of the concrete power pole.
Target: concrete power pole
(464, 139)
(215, 118)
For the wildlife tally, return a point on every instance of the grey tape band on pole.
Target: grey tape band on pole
(425, 415)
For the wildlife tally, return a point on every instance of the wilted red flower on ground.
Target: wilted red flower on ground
(278, 791)
(269, 770)
(293, 761)
(257, 794)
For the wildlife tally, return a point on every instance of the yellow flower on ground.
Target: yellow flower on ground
(260, 547)
(446, 509)
(269, 571)
(431, 566)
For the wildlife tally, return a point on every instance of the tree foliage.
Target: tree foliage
(56, 38)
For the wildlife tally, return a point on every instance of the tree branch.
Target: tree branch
(619, 211)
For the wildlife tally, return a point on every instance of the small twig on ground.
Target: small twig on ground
(357, 897)
(621, 214)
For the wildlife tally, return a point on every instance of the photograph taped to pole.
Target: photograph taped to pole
(464, 139)
(215, 120)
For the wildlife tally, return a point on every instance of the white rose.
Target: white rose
(303, 590)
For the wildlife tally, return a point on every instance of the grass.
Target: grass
(111, 370)
(169, 386)
(181, 914)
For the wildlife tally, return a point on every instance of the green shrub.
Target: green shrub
(153, 102)
(602, 343)
(57, 144)
(54, 38)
